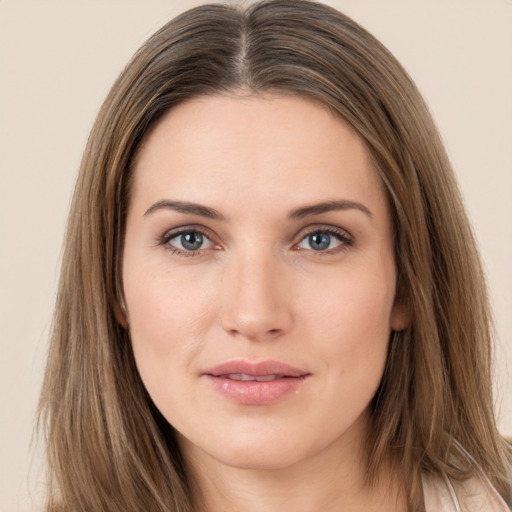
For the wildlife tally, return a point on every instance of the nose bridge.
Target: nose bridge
(256, 305)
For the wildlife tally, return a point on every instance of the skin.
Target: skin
(257, 290)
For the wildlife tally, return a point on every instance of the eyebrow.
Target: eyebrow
(328, 206)
(297, 214)
(186, 207)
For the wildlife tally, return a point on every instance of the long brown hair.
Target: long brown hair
(108, 447)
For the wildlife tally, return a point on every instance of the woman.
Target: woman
(220, 343)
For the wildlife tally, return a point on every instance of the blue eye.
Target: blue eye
(324, 240)
(189, 241)
(319, 241)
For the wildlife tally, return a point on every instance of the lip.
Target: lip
(224, 379)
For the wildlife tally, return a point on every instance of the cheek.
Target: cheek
(161, 304)
(356, 304)
(359, 348)
(351, 325)
(168, 318)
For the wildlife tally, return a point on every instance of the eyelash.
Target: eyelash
(169, 235)
(346, 240)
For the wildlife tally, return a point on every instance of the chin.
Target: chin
(246, 451)
(259, 459)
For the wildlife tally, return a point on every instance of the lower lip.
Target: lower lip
(254, 392)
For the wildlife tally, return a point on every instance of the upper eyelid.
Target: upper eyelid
(167, 236)
(329, 228)
(174, 232)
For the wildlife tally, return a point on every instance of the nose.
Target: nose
(256, 301)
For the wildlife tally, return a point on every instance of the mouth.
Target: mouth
(246, 378)
(254, 384)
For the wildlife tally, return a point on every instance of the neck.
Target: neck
(333, 480)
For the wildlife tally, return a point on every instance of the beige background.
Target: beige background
(57, 62)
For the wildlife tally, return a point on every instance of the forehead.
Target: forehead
(271, 148)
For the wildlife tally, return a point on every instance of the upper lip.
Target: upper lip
(259, 369)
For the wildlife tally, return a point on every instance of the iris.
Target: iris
(191, 241)
(319, 241)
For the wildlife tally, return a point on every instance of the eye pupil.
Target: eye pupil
(319, 241)
(191, 241)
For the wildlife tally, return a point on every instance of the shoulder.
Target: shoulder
(473, 495)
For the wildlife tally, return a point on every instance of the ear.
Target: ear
(400, 315)
(120, 315)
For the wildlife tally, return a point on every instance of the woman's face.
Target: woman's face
(259, 278)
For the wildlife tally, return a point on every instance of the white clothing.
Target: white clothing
(473, 495)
